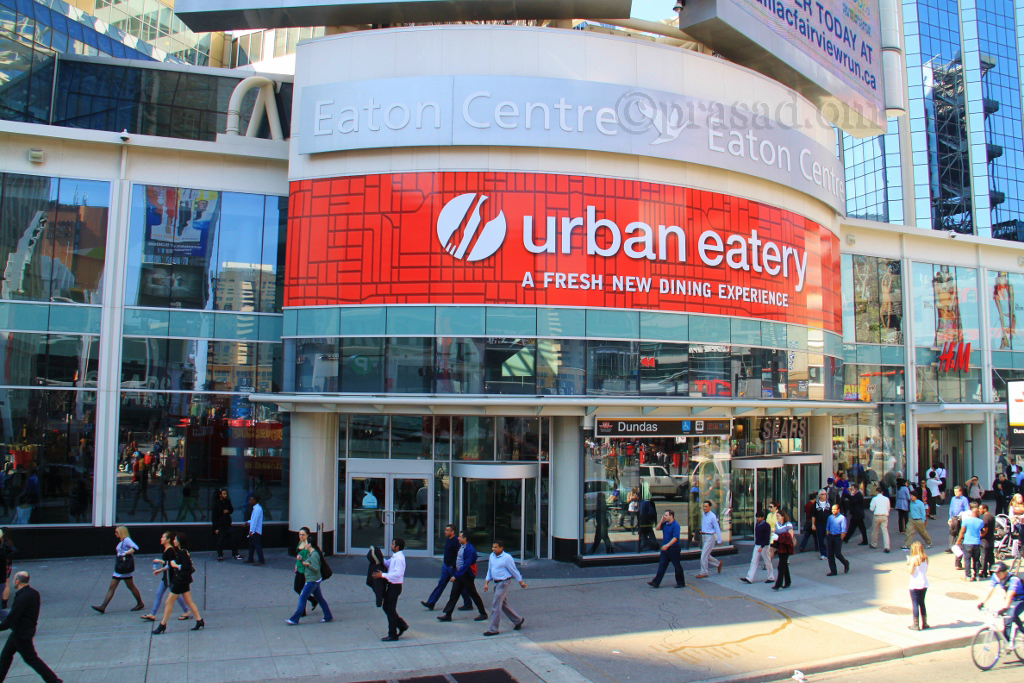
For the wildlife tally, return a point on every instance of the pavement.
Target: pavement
(597, 625)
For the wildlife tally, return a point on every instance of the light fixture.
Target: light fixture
(36, 156)
(851, 240)
(1020, 261)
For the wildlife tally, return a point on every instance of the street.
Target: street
(947, 665)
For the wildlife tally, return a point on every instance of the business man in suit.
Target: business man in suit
(22, 621)
(463, 580)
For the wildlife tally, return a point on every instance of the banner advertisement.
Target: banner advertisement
(556, 240)
(1015, 415)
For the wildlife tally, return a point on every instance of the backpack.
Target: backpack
(325, 569)
(832, 494)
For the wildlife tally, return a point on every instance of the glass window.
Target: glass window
(79, 241)
(510, 366)
(275, 219)
(710, 371)
(143, 363)
(518, 438)
(612, 367)
(473, 438)
(362, 364)
(927, 384)
(176, 449)
(410, 365)
(411, 437)
(664, 369)
(231, 366)
(28, 211)
(561, 367)
(368, 436)
(316, 365)
(460, 365)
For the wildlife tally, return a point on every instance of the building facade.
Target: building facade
(482, 282)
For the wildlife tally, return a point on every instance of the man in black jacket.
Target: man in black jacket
(221, 517)
(22, 621)
(451, 553)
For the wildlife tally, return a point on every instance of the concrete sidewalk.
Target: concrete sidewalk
(598, 625)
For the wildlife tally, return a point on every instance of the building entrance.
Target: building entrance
(384, 506)
(499, 502)
(948, 444)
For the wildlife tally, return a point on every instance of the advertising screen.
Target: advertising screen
(1015, 413)
(829, 50)
(545, 239)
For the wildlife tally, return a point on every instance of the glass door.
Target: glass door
(493, 508)
(388, 506)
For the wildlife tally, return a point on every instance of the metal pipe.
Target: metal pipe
(235, 104)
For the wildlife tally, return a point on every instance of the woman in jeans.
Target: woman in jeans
(162, 568)
(309, 557)
(917, 565)
(785, 548)
(125, 548)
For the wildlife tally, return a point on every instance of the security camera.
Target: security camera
(124, 135)
(679, 6)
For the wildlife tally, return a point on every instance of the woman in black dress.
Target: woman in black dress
(184, 569)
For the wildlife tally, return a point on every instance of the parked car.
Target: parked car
(656, 480)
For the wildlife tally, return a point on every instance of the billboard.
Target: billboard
(1015, 415)
(517, 111)
(492, 238)
(226, 15)
(828, 50)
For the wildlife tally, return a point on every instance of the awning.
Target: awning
(953, 413)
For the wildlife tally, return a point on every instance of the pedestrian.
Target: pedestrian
(772, 517)
(395, 575)
(834, 530)
(958, 504)
(855, 505)
(310, 559)
(974, 490)
(808, 528)
(970, 542)
(501, 568)
(902, 504)
(822, 511)
(299, 575)
(785, 545)
(932, 483)
(220, 515)
(916, 522)
(633, 507)
(917, 565)
(648, 518)
(124, 569)
(670, 547)
(256, 531)
(22, 621)
(763, 533)
(601, 522)
(880, 519)
(451, 552)
(711, 535)
(161, 498)
(162, 569)
(181, 585)
(464, 580)
(988, 539)
(7, 551)
(1014, 605)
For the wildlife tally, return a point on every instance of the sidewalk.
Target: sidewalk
(597, 624)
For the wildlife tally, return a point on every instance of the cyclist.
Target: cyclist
(1014, 588)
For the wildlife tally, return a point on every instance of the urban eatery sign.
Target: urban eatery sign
(767, 141)
(654, 428)
(541, 239)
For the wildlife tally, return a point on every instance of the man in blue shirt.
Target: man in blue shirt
(501, 569)
(710, 535)
(451, 552)
(916, 523)
(957, 505)
(463, 581)
(255, 530)
(669, 550)
(835, 528)
(1014, 588)
(970, 541)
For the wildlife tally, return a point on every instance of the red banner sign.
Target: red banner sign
(555, 240)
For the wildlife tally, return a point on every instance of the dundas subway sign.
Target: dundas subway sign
(519, 111)
(544, 239)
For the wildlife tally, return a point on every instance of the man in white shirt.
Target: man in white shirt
(711, 535)
(880, 508)
(501, 568)
(256, 531)
(395, 576)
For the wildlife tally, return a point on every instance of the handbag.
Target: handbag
(325, 569)
(124, 564)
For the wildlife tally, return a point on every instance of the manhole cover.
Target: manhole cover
(897, 611)
(956, 595)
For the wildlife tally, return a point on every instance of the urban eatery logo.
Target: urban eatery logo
(458, 228)
(955, 356)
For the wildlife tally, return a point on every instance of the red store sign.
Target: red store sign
(555, 240)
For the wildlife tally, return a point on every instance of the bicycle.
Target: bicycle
(989, 643)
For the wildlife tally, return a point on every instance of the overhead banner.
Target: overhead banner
(1015, 415)
(515, 111)
(554, 240)
(656, 428)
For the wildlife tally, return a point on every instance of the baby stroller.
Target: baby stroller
(1007, 540)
